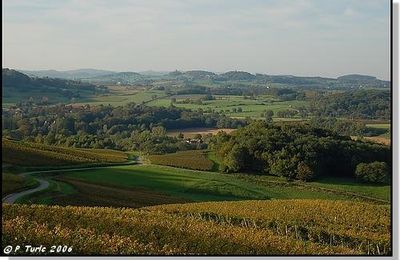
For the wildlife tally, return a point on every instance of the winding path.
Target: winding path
(44, 184)
(11, 198)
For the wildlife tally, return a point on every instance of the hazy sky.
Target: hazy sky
(298, 37)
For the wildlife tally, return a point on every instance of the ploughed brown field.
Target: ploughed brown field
(375, 139)
(378, 139)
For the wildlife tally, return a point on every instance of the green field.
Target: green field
(226, 104)
(349, 185)
(189, 185)
(379, 126)
(121, 95)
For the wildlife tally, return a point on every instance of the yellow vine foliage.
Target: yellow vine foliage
(35, 154)
(281, 227)
(194, 159)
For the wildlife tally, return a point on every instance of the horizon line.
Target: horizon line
(181, 70)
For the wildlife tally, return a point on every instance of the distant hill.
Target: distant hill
(94, 76)
(17, 87)
(117, 78)
(153, 73)
(236, 75)
(175, 73)
(199, 74)
(14, 79)
(193, 74)
(362, 80)
(356, 77)
(69, 74)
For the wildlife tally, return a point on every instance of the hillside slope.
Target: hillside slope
(34, 154)
(68, 74)
(19, 87)
(333, 228)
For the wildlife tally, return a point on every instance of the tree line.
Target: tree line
(129, 127)
(294, 151)
(355, 104)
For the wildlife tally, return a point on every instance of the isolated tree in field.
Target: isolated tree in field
(375, 172)
(239, 110)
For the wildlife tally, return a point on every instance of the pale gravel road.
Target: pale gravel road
(11, 198)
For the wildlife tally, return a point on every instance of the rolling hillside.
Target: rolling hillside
(281, 227)
(18, 87)
(34, 154)
(109, 77)
(68, 74)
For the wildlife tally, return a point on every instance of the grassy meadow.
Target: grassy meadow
(228, 103)
(122, 95)
(177, 184)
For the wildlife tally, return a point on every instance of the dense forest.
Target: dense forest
(294, 151)
(367, 104)
(127, 127)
